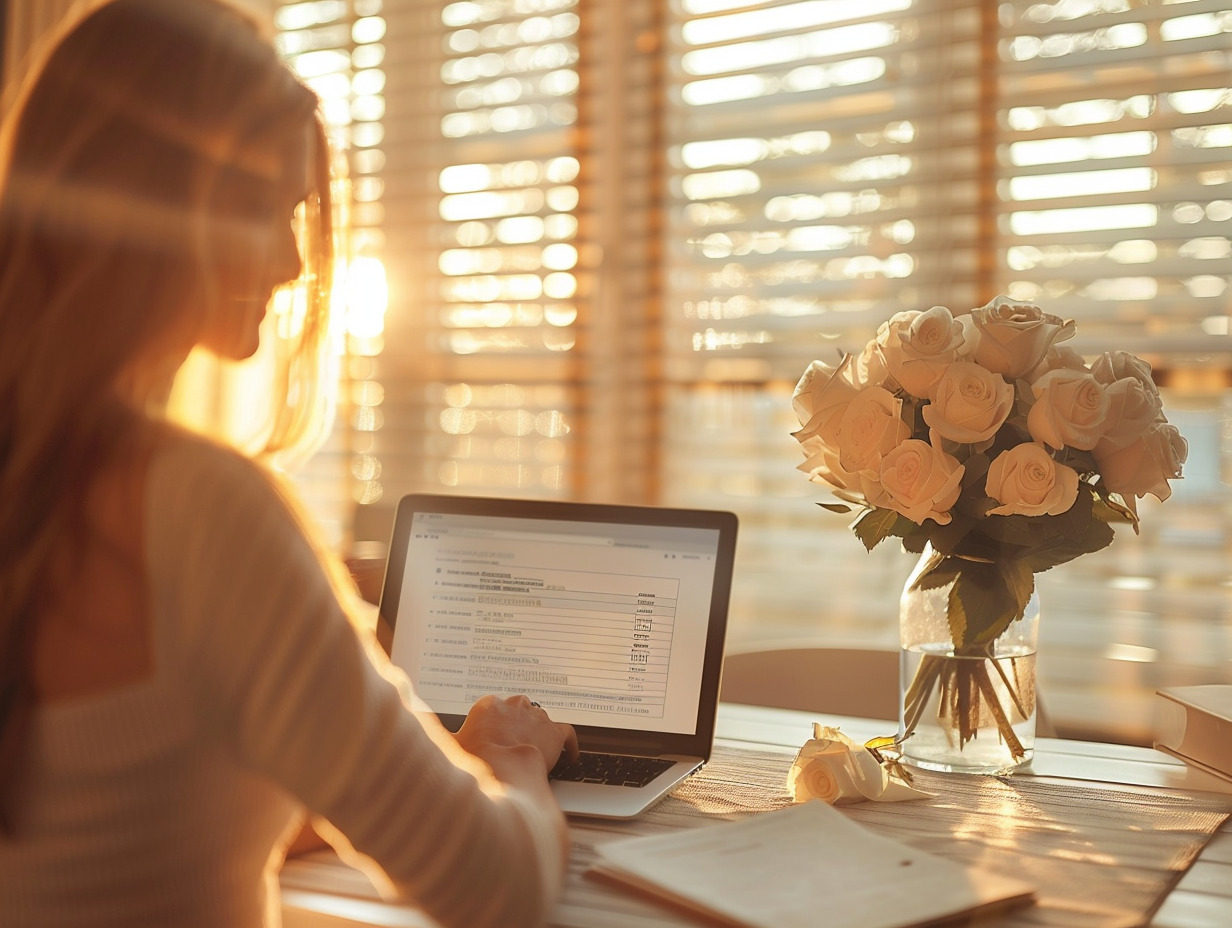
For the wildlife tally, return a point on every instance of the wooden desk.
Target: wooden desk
(1202, 898)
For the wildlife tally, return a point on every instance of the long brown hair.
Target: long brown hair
(112, 155)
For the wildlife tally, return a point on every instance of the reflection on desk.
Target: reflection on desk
(1077, 823)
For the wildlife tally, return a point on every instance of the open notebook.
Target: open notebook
(610, 617)
(803, 866)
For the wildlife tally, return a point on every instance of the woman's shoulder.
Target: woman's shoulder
(192, 477)
(195, 457)
(213, 513)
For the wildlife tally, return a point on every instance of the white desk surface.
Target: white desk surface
(1202, 898)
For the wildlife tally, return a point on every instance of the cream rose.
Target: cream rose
(1112, 366)
(1015, 337)
(871, 426)
(920, 346)
(887, 344)
(969, 403)
(1071, 408)
(1058, 357)
(1025, 480)
(1133, 407)
(833, 768)
(818, 777)
(822, 465)
(820, 398)
(869, 369)
(1146, 465)
(918, 480)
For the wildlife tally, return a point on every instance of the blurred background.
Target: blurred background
(596, 242)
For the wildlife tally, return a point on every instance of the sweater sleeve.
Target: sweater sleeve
(279, 676)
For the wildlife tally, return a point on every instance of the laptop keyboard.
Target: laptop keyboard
(610, 769)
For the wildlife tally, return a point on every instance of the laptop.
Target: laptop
(611, 617)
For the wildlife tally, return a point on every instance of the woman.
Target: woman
(178, 679)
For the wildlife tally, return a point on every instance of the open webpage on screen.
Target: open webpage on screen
(603, 624)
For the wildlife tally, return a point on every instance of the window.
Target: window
(613, 232)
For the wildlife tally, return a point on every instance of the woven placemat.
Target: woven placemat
(1100, 856)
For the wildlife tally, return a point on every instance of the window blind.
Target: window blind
(615, 233)
(522, 165)
(1114, 179)
(835, 162)
(336, 47)
(826, 172)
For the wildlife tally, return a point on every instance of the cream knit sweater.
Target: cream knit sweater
(168, 803)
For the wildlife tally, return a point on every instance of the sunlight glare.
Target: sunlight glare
(490, 203)
(1059, 151)
(791, 17)
(1084, 219)
(1082, 183)
(720, 184)
(1199, 101)
(517, 230)
(715, 152)
(465, 178)
(367, 297)
(786, 49)
(1194, 27)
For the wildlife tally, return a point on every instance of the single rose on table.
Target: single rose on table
(832, 767)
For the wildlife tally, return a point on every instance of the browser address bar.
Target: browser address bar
(513, 535)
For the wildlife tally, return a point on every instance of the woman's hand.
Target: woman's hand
(494, 725)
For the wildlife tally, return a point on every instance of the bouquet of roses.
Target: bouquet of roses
(982, 435)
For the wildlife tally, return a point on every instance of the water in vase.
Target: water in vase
(973, 714)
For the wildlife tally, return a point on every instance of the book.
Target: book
(803, 866)
(1195, 725)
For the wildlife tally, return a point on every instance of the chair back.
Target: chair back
(861, 682)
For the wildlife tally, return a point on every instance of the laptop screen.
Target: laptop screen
(603, 615)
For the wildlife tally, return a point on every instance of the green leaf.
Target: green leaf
(1077, 516)
(847, 496)
(1110, 509)
(1015, 530)
(982, 604)
(836, 507)
(1020, 581)
(975, 471)
(1071, 534)
(944, 572)
(947, 538)
(1081, 461)
(915, 541)
(874, 526)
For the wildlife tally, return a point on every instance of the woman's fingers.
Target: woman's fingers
(516, 720)
(570, 748)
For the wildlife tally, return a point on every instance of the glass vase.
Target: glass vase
(966, 708)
